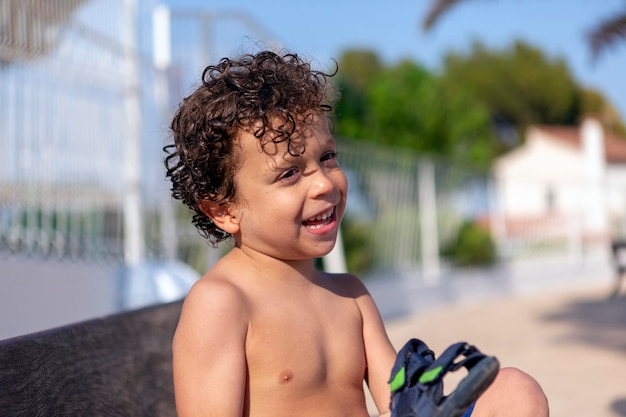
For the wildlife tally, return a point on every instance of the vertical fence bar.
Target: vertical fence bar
(134, 235)
(428, 221)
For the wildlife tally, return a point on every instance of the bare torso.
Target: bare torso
(305, 352)
(279, 344)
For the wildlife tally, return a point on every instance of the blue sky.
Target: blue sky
(322, 29)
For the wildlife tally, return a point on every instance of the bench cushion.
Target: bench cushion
(119, 365)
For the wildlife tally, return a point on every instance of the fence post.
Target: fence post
(335, 261)
(429, 239)
(133, 225)
(575, 244)
(497, 217)
(162, 57)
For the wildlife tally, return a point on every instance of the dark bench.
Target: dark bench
(618, 248)
(118, 366)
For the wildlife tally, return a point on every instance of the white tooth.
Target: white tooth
(322, 216)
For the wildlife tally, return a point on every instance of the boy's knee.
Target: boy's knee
(513, 393)
(520, 381)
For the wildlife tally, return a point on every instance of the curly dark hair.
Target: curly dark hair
(273, 96)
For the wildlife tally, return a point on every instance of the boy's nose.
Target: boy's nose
(322, 183)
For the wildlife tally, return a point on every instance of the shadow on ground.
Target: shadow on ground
(598, 321)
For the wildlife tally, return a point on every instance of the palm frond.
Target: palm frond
(32, 28)
(606, 34)
(437, 9)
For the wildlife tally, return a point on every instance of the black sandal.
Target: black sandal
(416, 381)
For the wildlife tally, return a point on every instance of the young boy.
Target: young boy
(263, 333)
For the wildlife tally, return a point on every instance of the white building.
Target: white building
(564, 180)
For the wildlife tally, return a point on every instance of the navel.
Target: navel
(285, 376)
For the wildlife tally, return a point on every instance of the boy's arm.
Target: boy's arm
(209, 352)
(379, 351)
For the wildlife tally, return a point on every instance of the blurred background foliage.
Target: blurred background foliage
(475, 108)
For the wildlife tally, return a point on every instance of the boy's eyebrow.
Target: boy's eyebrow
(287, 158)
(329, 140)
(284, 162)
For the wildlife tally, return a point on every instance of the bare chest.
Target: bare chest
(302, 346)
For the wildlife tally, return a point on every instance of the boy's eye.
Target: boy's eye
(289, 173)
(329, 158)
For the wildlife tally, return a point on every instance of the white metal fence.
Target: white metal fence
(410, 206)
(70, 127)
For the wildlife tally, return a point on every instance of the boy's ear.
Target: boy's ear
(222, 214)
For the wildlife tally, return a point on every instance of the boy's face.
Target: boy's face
(290, 207)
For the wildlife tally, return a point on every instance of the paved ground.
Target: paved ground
(572, 341)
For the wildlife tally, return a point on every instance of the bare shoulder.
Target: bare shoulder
(214, 305)
(346, 285)
(214, 290)
(350, 286)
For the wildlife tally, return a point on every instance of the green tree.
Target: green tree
(594, 102)
(520, 85)
(600, 37)
(473, 246)
(357, 69)
(405, 105)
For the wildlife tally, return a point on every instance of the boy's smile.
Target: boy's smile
(290, 206)
(320, 221)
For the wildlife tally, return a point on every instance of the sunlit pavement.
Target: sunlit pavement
(573, 341)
